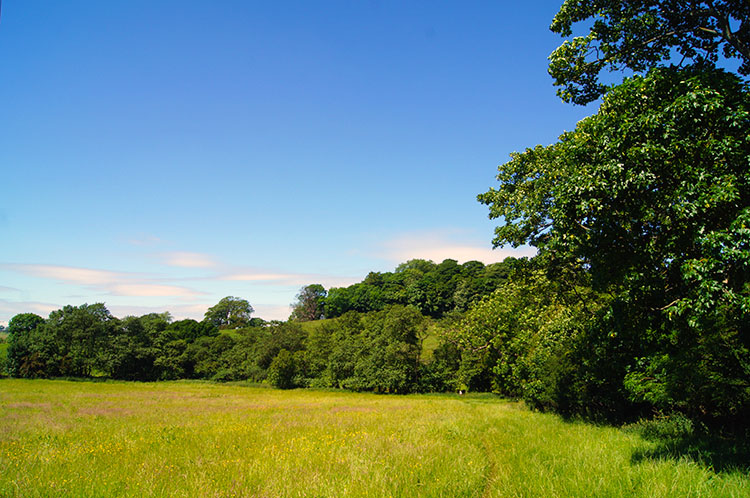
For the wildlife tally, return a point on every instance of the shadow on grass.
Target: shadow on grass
(723, 453)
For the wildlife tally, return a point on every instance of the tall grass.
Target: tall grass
(84, 439)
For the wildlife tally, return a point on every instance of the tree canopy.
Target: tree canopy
(231, 313)
(641, 34)
(24, 322)
(433, 288)
(309, 304)
(651, 198)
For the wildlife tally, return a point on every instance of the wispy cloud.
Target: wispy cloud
(103, 281)
(12, 308)
(272, 311)
(258, 277)
(440, 245)
(151, 290)
(188, 260)
(67, 274)
(146, 240)
(287, 279)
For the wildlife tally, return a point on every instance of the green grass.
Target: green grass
(430, 343)
(96, 439)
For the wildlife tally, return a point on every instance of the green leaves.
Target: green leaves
(664, 159)
(642, 34)
(230, 312)
(650, 198)
(310, 303)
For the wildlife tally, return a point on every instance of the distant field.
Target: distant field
(187, 439)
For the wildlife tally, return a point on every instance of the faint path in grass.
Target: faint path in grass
(492, 470)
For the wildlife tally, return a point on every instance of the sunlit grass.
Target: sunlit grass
(430, 342)
(85, 439)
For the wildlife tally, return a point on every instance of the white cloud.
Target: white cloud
(13, 308)
(150, 290)
(272, 311)
(257, 277)
(104, 281)
(146, 240)
(67, 274)
(329, 281)
(288, 279)
(437, 246)
(188, 260)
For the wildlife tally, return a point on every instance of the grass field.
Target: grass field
(89, 439)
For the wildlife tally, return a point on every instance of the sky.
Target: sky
(158, 156)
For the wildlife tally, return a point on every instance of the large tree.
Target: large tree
(230, 313)
(69, 342)
(310, 303)
(641, 34)
(20, 330)
(24, 322)
(651, 197)
(80, 334)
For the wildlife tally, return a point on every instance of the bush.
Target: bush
(282, 371)
(670, 427)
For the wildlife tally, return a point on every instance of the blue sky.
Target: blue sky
(158, 156)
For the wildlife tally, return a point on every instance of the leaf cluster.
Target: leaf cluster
(641, 34)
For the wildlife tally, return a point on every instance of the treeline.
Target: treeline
(371, 340)
(378, 351)
(432, 288)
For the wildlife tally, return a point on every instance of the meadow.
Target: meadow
(187, 439)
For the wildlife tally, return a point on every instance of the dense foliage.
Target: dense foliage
(434, 289)
(379, 351)
(310, 304)
(649, 199)
(230, 313)
(639, 298)
(640, 34)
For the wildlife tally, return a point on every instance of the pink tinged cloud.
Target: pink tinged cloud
(438, 247)
(258, 277)
(12, 308)
(272, 311)
(110, 282)
(146, 240)
(68, 274)
(151, 290)
(188, 260)
(291, 279)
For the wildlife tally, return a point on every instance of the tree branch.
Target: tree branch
(663, 308)
(726, 31)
